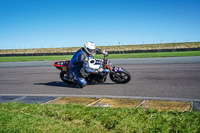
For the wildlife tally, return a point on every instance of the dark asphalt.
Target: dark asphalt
(149, 80)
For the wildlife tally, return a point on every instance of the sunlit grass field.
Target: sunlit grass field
(37, 118)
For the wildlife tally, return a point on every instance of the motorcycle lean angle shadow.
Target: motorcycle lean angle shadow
(117, 74)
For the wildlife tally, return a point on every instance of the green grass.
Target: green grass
(34, 58)
(153, 55)
(111, 56)
(37, 118)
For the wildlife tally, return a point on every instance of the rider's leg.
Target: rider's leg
(79, 77)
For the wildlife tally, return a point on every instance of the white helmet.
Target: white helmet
(90, 48)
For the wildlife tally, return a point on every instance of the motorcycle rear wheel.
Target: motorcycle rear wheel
(65, 78)
(120, 77)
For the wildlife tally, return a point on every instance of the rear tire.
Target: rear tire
(65, 78)
(124, 77)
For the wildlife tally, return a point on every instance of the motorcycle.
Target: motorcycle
(117, 74)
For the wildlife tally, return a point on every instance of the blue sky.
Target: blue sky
(69, 23)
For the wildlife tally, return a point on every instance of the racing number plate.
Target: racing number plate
(116, 69)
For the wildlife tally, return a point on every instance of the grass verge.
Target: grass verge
(20, 117)
(111, 56)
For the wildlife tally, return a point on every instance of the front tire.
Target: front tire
(120, 77)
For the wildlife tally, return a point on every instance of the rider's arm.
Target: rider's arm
(101, 51)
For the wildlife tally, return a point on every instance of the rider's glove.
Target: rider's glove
(104, 52)
(106, 70)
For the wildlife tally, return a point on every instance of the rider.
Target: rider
(80, 60)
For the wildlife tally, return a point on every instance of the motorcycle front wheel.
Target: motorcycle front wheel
(120, 77)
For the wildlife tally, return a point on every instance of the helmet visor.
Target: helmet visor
(93, 51)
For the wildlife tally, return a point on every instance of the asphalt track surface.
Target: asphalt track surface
(174, 78)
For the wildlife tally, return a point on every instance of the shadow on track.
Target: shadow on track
(56, 84)
(62, 84)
